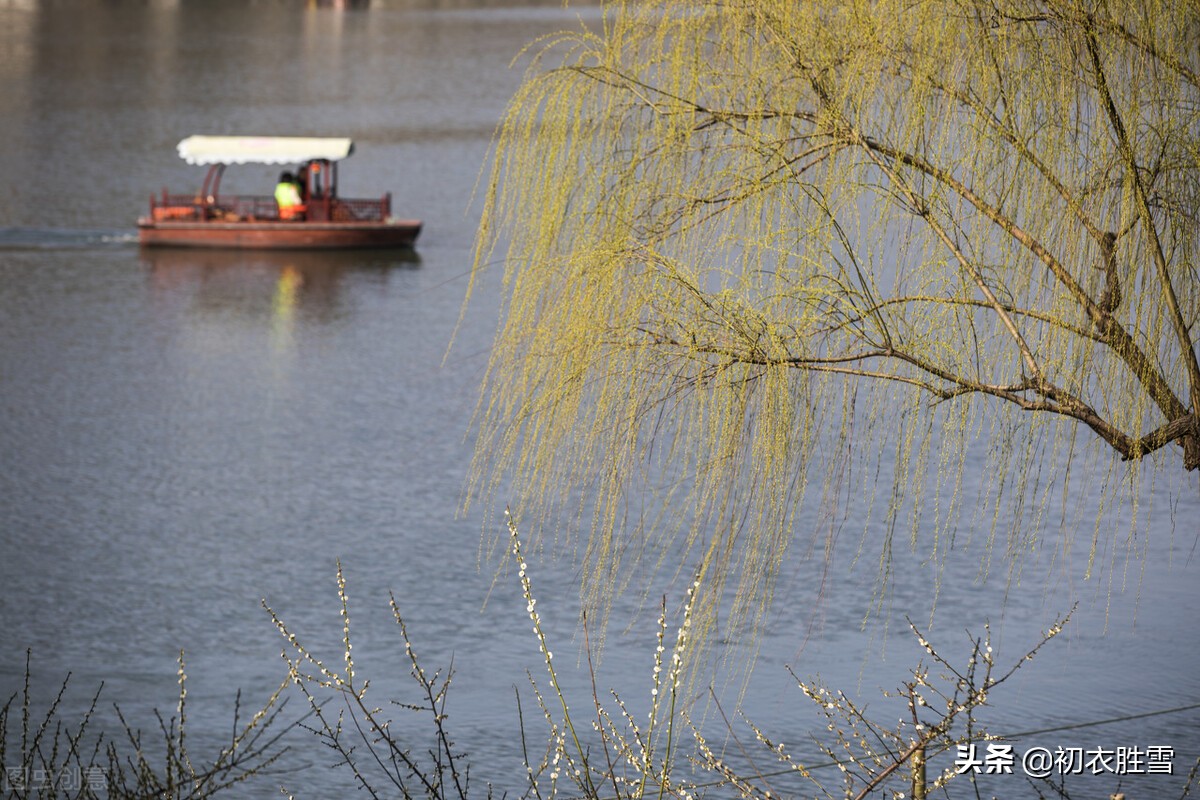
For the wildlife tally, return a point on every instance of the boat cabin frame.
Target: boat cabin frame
(317, 159)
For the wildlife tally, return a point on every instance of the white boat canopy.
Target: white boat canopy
(205, 150)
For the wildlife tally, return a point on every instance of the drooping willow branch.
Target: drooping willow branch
(1106, 329)
(722, 220)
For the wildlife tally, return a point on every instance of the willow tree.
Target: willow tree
(768, 260)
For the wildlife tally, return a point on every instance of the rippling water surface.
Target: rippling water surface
(184, 434)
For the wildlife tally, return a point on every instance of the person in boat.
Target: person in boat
(287, 195)
(302, 182)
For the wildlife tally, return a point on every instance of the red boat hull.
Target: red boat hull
(270, 235)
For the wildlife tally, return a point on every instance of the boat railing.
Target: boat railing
(235, 208)
(192, 208)
(361, 210)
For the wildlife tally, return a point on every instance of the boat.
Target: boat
(208, 218)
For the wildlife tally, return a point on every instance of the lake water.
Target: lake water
(183, 434)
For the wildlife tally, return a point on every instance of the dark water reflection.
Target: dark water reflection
(279, 285)
(184, 433)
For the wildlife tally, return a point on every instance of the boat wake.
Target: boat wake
(64, 238)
